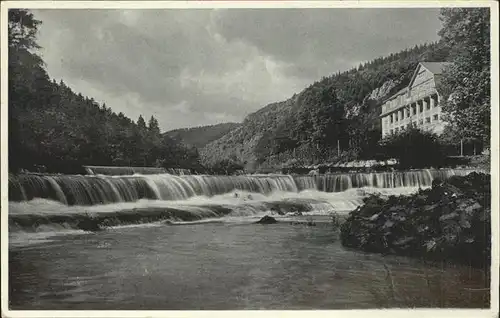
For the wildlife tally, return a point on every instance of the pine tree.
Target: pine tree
(141, 123)
(154, 127)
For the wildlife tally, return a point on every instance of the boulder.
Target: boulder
(89, 225)
(449, 221)
(267, 220)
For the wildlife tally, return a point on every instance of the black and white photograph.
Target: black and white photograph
(252, 156)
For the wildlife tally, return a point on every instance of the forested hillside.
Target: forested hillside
(239, 144)
(198, 137)
(336, 118)
(52, 126)
(337, 112)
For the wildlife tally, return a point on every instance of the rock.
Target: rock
(89, 225)
(388, 224)
(450, 216)
(276, 210)
(452, 220)
(267, 220)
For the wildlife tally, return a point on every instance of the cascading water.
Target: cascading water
(100, 189)
(51, 203)
(397, 179)
(92, 190)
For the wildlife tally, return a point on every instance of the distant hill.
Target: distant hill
(198, 137)
(337, 112)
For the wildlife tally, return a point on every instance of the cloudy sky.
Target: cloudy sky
(199, 67)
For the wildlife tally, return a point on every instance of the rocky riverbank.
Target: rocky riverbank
(450, 221)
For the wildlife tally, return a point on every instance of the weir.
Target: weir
(102, 189)
(116, 171)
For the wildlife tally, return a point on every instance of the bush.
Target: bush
(414, 148)
(227, 166)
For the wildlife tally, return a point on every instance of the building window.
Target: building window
(392, 119)
(402, 114)
(428, 120)
(421, 106)
(428, 105)
(436, 117)
(414, 109)
(396, 116)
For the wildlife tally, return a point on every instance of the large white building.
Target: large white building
(417, 104)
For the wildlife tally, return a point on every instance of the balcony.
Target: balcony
(404, 100)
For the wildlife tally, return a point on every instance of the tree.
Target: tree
(141, 123)
(465, 84)
(22, 31)
(153, 126)
(26, 76)
(227, 166)
(414, 148)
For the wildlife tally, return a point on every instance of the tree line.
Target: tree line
(50, 125)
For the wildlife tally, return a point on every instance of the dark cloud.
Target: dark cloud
(195, 67)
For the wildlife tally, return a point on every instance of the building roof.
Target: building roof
(435, 67)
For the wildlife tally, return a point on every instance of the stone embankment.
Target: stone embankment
(450, 221)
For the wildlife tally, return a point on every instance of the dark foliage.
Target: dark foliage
(414, 148)
(465, 84)
(53, 126)
(226, 166)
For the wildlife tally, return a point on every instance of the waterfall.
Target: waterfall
(397, 179)
(104, 189)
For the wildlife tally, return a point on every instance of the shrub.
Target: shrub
(414, 148)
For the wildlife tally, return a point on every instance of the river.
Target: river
(211, 255)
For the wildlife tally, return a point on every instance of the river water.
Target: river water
(211, 254)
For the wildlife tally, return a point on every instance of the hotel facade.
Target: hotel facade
(419, 103)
